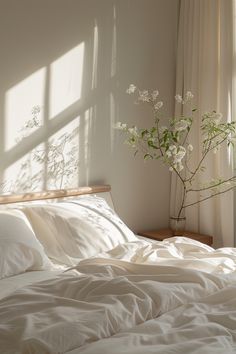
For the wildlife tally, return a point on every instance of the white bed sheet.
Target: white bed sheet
(11, 284)
(176, 296)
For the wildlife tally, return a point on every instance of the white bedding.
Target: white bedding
(9, 285)
(176, 296)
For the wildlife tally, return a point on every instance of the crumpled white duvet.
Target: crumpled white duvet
(176, 296)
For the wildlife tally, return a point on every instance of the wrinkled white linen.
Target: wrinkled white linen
(175, 251)
(140, 297)
(199, 327)
(10, 284)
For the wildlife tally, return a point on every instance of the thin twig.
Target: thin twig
(212, 186)
(210, 196)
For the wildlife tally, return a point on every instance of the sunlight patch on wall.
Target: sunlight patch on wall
(112, 120)
(19, 103)
(66, 80)
(95, 57)
(87, 141)
(114, 45)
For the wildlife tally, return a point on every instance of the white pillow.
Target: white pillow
(19, 249)
(77, 229)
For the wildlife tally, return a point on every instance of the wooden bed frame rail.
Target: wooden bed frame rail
(51, 194)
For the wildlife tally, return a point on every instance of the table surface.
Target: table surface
(161, 234)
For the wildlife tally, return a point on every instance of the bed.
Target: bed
(75, 279)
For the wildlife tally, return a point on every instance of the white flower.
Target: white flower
(173, 149)
(190, 147)
(131, 89)
(120, 126)
(158, 105)
(178, 157)
(178, 154)
(217, 117)
(213, 116)
(182, 149)
(171, 169)
(178, 98)
(133, 131)
(144, 96)
(155, 94)
(181, 125)
(206, 115)
(188, 96)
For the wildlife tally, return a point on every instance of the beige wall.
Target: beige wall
(75, 59)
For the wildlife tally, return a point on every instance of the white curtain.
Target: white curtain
(204, 67)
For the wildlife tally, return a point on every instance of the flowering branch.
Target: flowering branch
(170, 143)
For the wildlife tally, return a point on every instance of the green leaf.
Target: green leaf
(147, 156)
(144, 132)
(151, 144)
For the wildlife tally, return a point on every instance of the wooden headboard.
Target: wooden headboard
(53, 194)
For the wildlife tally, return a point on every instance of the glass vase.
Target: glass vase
(177, 225)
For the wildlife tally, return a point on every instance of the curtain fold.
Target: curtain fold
(204, 67)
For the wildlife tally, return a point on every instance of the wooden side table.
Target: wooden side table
(162, 234)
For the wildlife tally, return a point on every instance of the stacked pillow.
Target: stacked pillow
(38, 236)
(76, 229)
(20, 250)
